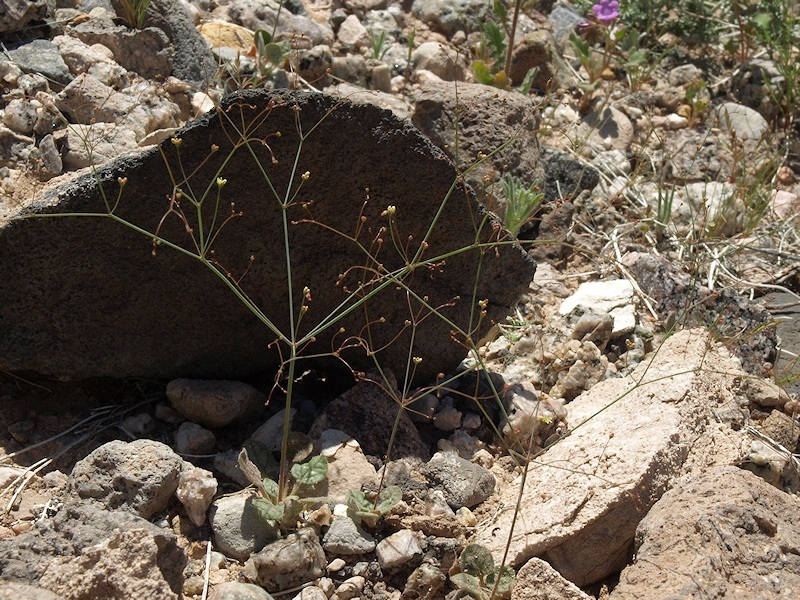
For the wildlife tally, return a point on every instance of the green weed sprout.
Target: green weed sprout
(479, 578)
(412, 36)
(493, 60)
(776, 25)
(521, 202)
(362, 509)
(378, 45)
(279, 512)
(134, 12)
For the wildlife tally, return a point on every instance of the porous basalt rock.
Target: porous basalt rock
(93, 300)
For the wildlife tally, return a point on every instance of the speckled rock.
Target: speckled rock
(139, 476)
(288, 562)
(463, 483)
(213, 403)
(720, 534)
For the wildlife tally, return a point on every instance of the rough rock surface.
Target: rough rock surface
(238, 530)
(78, 527)
(139, 476)
(722, 534)
(234, 590)
(14, 591)
(89, 313)
(366, 412)
(677, 295)
(123, 566)
(463, 483)
(213, 403)
(630, 438)
(444, 113)
(288, 562)
(537, 580)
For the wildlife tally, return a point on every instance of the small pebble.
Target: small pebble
(447, 419)
(436, 504)
(471, 421)
(792, 407)
(138, 425)
(675, 121)
(21, 431)
(164, 412)
(21, 526)
(193, 586)
(336, 565)
(326, 585)
(192, 439)
(466, 516)
(398, 549)
(351, 588)
(311, 592)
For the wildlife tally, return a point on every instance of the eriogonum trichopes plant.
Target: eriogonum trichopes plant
(606, 11)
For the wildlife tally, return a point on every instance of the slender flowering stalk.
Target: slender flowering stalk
(606, 11)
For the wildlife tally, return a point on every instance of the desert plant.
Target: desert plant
(479, 577)
(378, 45)
(493, 54)
(134, 12)
(283, 512)
(521, 202)
(364, 509)
(776, 25)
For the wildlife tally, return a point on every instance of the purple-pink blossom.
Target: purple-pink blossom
(606, 11)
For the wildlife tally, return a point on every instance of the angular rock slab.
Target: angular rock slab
(724, 534)
(629, 442)
(85, 297)
(75, 531)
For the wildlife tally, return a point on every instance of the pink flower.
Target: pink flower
(606, 11)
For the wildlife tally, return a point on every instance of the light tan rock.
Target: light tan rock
(724, 534)
(630, 439)
(124, 566)
(227, 35)
(537, 580)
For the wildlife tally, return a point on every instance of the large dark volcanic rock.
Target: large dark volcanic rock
(85, 296)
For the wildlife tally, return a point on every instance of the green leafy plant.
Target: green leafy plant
(479, 577)
(493, 54)
(364, 509)
(283, 512)
(269, 54)
(521, 202)
(696, 106)
(777, 27)
(134, 12)
(488, 67)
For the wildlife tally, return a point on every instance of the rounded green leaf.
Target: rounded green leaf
(273, 53)
(311, 472)
(476, 560)
(267, 511)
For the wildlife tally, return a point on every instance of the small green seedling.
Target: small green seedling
(283, 512)
(379, 45)
(363, 509)
(479, 578)
(521, 202)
